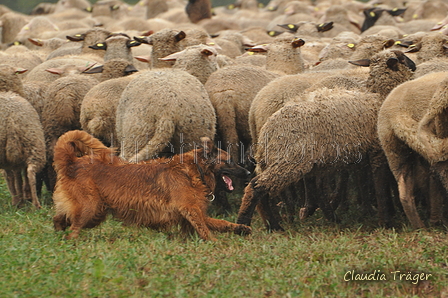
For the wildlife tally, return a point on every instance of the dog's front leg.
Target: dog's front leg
(223, 226)
(196, 218)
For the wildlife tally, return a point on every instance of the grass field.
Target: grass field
(312, 259)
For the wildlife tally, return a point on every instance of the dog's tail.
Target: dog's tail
(76, 143)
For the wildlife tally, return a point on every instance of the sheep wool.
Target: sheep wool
(22, 146)
(163, 108)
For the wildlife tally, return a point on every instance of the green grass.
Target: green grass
(310, 259)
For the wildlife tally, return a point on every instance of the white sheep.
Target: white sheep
(22, 147)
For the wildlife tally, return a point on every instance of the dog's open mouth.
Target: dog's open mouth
(228, 182)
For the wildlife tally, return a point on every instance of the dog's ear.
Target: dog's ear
(209, 147)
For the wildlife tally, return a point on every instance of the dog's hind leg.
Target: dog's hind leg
(223, 226)
(196, 218)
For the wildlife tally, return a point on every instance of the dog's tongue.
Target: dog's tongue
(228, 182)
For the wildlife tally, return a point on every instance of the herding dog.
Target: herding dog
(92, 182)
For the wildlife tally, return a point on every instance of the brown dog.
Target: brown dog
(92, 182)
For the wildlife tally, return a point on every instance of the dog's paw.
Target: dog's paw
(243, 230)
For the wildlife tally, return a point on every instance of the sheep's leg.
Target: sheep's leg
(405, 181)
(224, 226)
(265, 186)
(289, 201)
(436, 198)
(382, 181)
(269, 212)
(162, 135)
(196, 218)
(322, 200)
(14, 181)
(310, 204)
(30, 182)
(249, 202)
(226, 125)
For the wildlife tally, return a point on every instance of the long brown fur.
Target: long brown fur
(92, 182)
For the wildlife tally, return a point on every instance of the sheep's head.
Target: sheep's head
(388, 69)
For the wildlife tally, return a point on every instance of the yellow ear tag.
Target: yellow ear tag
(351, 45)
(316, 8)
(16, 43)
(142, 3)
(99, 44)
(291, 26)
(211, 43)
(231, 6)
(27, 28)
(89, 9)
(398, 42)
(395, 9)
(271, 33)
(271, 8)
(250, 53)
(78, 35)
(372, 14)
(414, 16)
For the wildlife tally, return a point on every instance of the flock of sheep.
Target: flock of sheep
(322, 98)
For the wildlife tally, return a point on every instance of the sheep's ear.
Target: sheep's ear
(172, 57)
(405, 60)
(36, 42)
(388, 43)
(77, 37)
(98, 69)
(247, 42)
(290, 27)
(274, 33)
(130, 69)
(324, 27)
(57, 71)
(396, 11)
(414, 48)
(392, 63)
(362, 62)
(259, 48)
(146, 59)
(132, 43)
(143, 39)
(20, 70)
(403, 43)
(99, 46)
(179, 36)
(371, 16)
(297, 42)
(207, 52)
(15, 43)
(148, 33)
